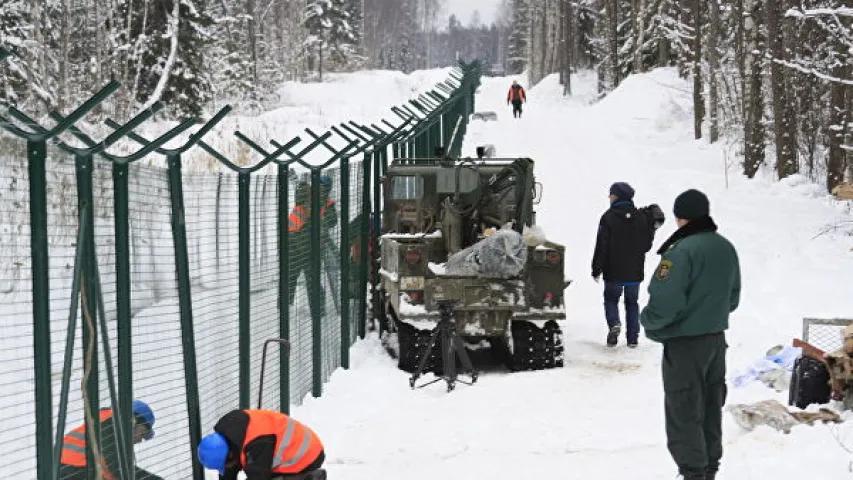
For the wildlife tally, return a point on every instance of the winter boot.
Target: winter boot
(632, 344)
(613, 335)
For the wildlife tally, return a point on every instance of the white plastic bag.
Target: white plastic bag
(501, 255)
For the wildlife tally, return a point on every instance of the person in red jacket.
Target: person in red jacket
(516, 97)
(265, 445)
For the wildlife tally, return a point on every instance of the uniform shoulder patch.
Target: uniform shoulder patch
(664, 270)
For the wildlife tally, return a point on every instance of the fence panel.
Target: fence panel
(17, 390)
(158, 367)
(153, 358)
(62, 222)
(210, 201)
(330, 248)
(298, 257)
(265, 311)
(357, 294)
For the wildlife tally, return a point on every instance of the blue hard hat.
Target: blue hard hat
(141, 409)
(212, 452)
(325, 180)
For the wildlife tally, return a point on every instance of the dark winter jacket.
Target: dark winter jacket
(695, 286)
(624, 237)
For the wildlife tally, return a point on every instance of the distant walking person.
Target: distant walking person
(694, 288)
(624, 237)
(516, 97)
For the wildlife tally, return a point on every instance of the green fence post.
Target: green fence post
(71, 332)
(123, 292)
(91, 393)
(314, 294)
(363, 253)
(283, 287)
(182, 265)
(244, 314)
(345, 263)
(37, 157)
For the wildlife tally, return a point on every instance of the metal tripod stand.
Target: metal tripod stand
(451, 345)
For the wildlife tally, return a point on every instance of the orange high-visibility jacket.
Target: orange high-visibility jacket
(299, 216)
(74, 447)
(296, 446)
(516, 94)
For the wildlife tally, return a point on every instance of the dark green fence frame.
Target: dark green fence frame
(437, 118)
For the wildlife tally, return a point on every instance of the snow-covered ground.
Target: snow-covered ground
(601, 416)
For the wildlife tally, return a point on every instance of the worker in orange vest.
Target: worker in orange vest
(516, 96)
(263, 444)
(73, 460)
(299, 236)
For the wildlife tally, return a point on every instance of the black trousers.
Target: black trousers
(516, 108)
(300, 262)
(694, 380)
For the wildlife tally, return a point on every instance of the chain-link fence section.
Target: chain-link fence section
(825, 333)
(136, 300)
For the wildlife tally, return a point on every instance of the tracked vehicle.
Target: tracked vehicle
(436, 208)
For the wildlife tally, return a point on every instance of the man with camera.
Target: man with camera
(624, 237)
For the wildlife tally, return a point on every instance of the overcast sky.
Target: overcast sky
(463, 9)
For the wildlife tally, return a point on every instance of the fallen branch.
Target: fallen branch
(837, 226)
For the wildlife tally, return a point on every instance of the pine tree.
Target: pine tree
(408, 54)
(356, 22)
(171, 69)
(519, 36)
(331, 32)
(232, 75)
(14, 70)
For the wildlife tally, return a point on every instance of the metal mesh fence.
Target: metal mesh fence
(357, 296)
(330, 268)
(299, 268)
(265, 313)
(180, 284)
(17, 392)
(62, 222)
(158, 367)
(210, 202)
(825, 334)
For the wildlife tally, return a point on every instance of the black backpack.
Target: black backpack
(809, 383)
(654, 215)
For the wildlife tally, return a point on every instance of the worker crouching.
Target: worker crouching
(265, 445)
(73, 460)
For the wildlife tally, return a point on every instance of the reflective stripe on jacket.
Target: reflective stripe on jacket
(296, 447)
(74, 447)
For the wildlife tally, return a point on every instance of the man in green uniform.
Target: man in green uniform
(694, 288)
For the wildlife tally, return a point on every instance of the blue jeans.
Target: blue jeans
(612, 292)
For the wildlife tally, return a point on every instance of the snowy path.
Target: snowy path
(601, 416)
